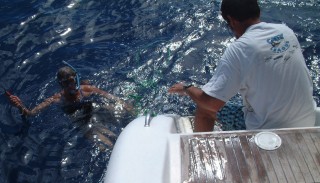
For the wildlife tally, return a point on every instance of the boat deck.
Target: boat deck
(235, 157)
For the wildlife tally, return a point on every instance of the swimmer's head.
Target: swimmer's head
(65, 73)
(68, 79)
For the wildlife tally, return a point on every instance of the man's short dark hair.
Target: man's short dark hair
(240, 9)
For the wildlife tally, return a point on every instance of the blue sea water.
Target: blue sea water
(135, 49)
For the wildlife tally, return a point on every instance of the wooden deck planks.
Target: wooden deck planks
(262, 174)
(307, 156)
(248, 155)
(289, 154)
(234, 157)
(232, 161)
(271, 173)
(297, 154)
(240, 158)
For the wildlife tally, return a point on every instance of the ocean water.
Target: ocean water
(135, 49)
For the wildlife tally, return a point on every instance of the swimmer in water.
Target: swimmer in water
(72, 98)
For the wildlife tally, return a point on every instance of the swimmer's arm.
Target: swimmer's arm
(26, 112)
(111, 97)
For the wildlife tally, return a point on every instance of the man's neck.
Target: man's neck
(244, 25)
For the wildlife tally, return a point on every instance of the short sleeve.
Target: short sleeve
(226, 80)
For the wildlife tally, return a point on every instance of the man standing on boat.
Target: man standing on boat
(265, 65)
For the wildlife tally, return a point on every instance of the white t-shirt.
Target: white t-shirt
(266, 66)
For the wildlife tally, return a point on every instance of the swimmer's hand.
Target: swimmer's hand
(128, 106)
(125, 105)
(16, 101)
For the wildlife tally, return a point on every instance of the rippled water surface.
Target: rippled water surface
(133, 49)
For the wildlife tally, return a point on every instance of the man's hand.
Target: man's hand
(177, 88)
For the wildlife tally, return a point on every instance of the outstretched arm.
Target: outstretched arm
(95, 90)
(207, 106)
(16, 101)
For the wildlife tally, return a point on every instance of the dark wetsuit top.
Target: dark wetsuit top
(71, 107)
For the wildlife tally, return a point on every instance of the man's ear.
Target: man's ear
(231, 20)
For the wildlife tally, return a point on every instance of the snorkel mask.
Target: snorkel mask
(77, 75)
(69, 79)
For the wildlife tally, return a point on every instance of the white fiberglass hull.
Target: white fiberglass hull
(154, 154)
(156, 148)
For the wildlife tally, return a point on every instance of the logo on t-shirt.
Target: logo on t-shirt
(278, 43)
